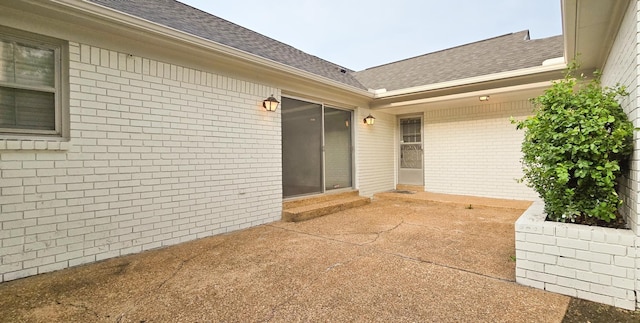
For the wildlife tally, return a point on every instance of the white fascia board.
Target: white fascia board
(569, 26)
(155, 28)
(466, 95)
(473, 80)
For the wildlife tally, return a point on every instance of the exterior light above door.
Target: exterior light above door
(484, 98)
(270, 103)
(370, 120)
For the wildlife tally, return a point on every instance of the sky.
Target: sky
(367, 33)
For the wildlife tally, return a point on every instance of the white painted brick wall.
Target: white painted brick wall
(622, 68)
(159, 154)
(475, 150)
(375, 152)
(593, 263)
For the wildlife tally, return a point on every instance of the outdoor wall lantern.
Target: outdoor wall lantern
(370, 120)
(270, 103)
(484, 98)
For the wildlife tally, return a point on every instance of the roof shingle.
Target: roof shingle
(193, 21)
(500, 54)
(504, 53)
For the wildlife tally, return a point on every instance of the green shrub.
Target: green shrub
(574, 148)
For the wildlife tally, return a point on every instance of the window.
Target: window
(31, 84)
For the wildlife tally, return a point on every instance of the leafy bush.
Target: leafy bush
(574, 148)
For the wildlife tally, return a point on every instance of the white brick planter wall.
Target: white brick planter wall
(593, 263)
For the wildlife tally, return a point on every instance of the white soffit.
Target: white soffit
(589, 28)
(496, 95)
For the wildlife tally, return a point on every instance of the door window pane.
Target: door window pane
(301, 147)
(410, 129)
(411, 147)
(411, 156)
(337, 148)
(316, 148)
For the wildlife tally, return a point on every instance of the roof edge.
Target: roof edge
(449, 48)
(348, 70)
(464, 95)
(590, 41)
(472, 80)
(138, 23)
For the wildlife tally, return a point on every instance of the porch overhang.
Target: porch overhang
(589, 29)
(501, 87)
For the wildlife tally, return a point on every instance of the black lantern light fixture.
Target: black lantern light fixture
(370, 120)
(270, 103)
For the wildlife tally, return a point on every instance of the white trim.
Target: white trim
(472, 80)
(466, 95)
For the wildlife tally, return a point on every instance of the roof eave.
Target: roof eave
(242, 57)
(472, 80)
(587, 37)
(472, 84)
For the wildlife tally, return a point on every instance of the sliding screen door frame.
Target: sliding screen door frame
(300, 121)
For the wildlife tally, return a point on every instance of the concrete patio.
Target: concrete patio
(392, 260)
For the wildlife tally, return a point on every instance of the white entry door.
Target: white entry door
(410, 170)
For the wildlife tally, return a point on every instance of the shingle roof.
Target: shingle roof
(504, 53)
(500, 54)
(185, 18)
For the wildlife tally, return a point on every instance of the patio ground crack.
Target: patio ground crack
(83, 307)
(317, 235)
(392, 253)
(379, 233)
(175, 272)
(297, 292)
(420, 260)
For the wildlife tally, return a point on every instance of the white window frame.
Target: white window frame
(60, 88)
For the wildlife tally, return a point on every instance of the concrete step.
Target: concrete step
(472, 201)
(304, 201)
(323, 207)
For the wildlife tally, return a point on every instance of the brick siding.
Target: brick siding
(593, 263)
(375, 152)
(475, 150)
(159, 154)
(621, 68)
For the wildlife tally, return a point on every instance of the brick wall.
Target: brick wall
(375, 152)
(475, 150)
(593, 263)
(159, 154)
(598, 264)
(621, 67)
